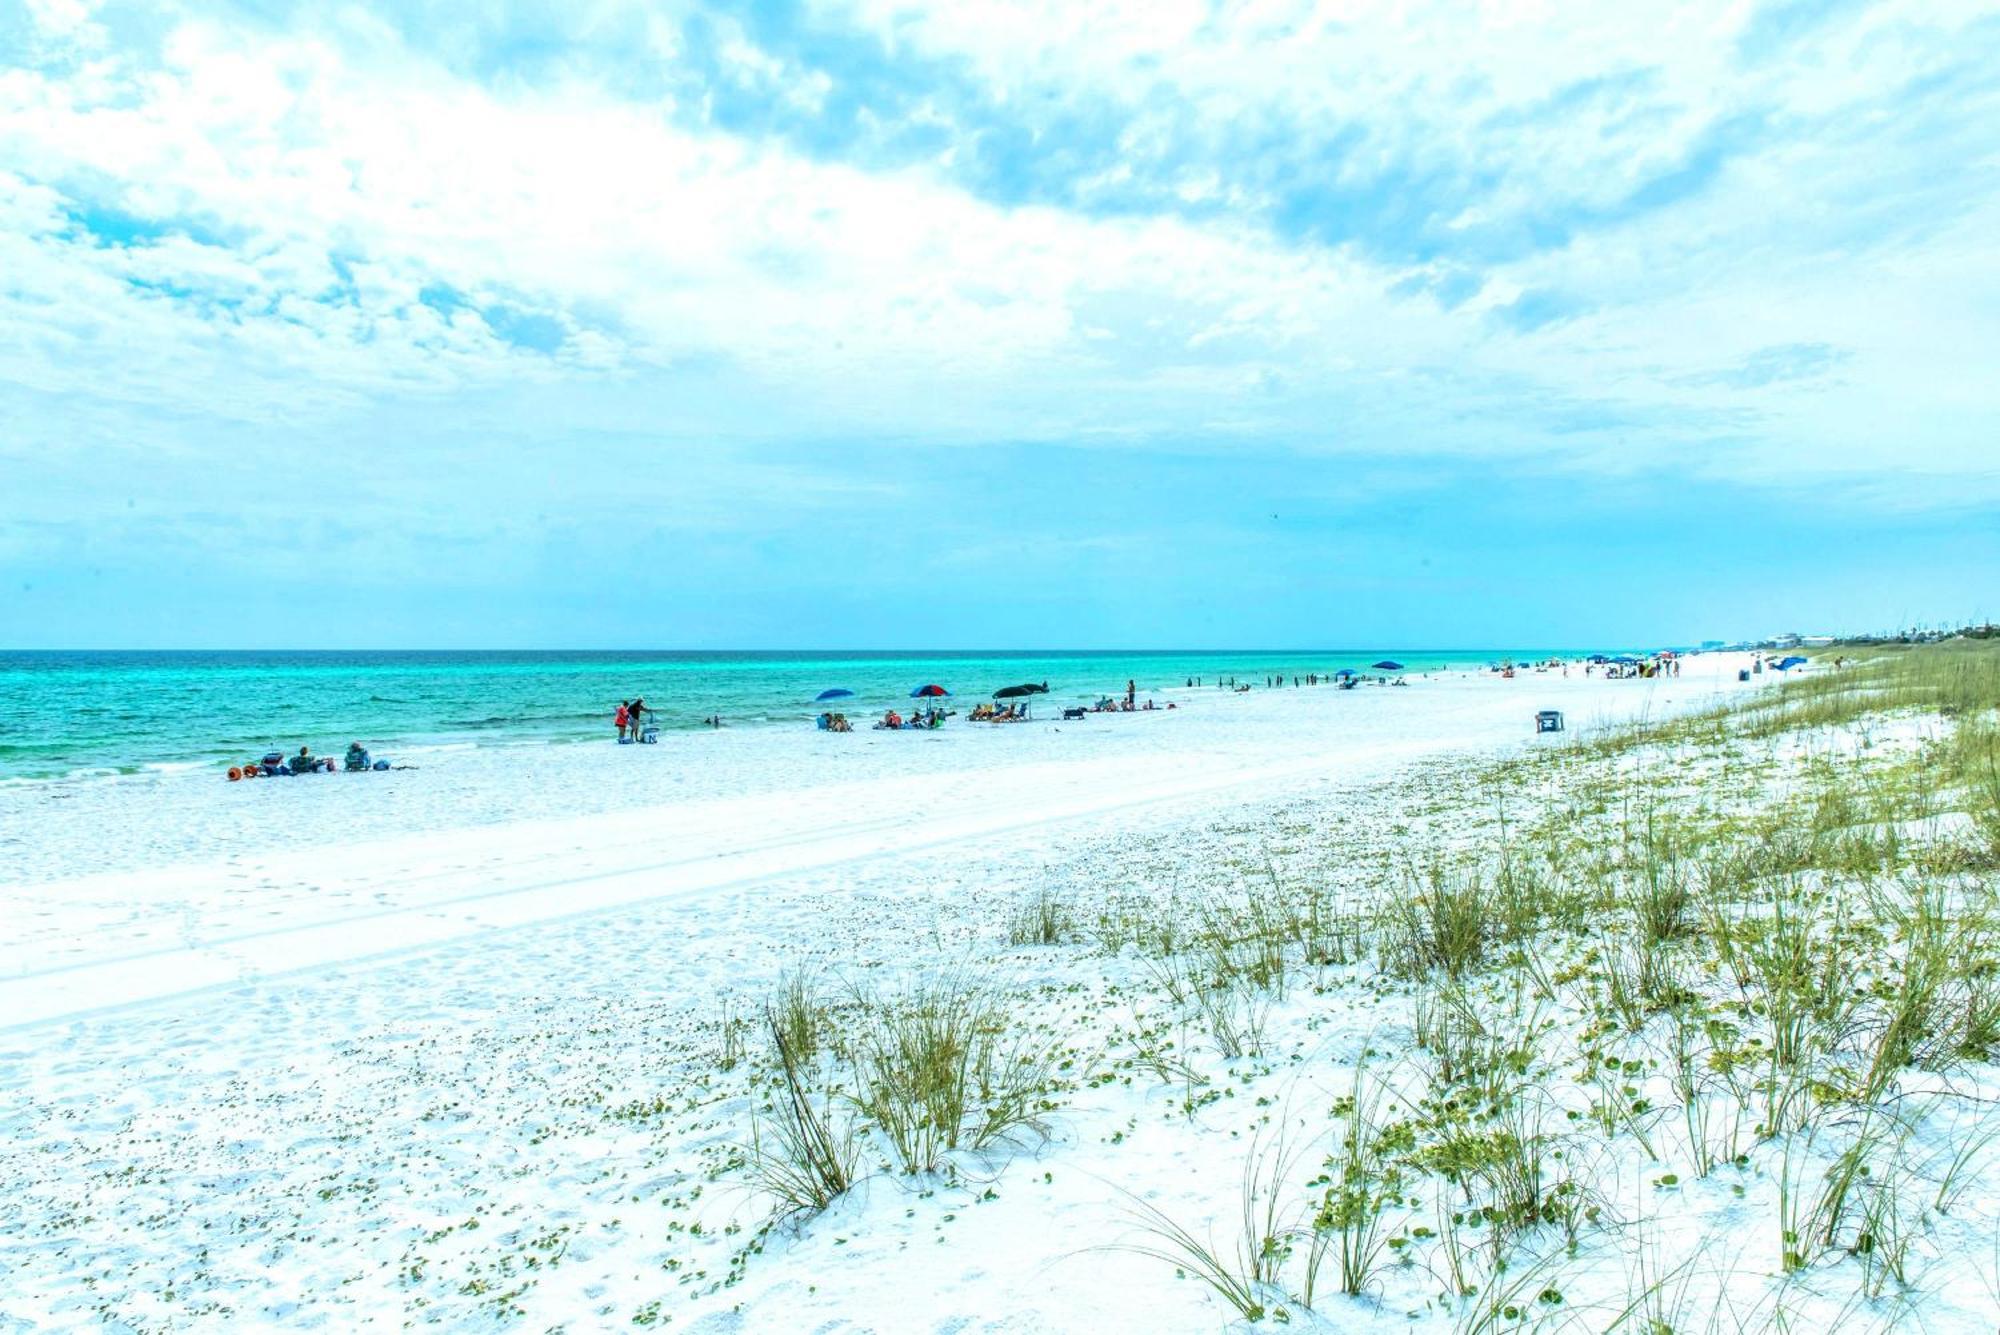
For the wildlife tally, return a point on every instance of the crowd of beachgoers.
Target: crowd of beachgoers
(1014, 704)
(636, 722)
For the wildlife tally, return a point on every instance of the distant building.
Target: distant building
(1710, 646)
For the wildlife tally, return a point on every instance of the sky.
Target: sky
(864, 323)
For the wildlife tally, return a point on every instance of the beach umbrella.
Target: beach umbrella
(1387, 665)
(837, 693)
(1625, 660)
(930, 692)
(1346, 672)
(1025, 688)
(1788, 662)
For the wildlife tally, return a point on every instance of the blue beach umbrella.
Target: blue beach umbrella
(1346, 672)
(1788, 662)
(1387, 665)
(837, 693)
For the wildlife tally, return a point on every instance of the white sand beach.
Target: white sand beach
(136, 889)
(437, 1045)
(450, 456)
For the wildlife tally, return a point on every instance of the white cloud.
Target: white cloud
(349, 218)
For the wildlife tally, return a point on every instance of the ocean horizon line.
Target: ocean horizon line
(1037, 651)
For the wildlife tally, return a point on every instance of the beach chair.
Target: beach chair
(1549, 720)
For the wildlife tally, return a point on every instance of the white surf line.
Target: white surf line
(97, 988)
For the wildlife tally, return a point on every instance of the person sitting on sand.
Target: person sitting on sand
(357, 756)
(892, 719)
(304, 762)
(840, 724)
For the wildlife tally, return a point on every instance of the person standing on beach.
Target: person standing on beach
(1131, 692)
(638, 717)
(622, 718)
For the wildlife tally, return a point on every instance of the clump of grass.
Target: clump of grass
(1236, 1013)
(1505, 1166)
(1043, 919)
(1662, 898)
(1487, 1060)
(797, 1010)
(1246, 1275)
(943, 1068)
(1362, 1181)
(810, 1155)
(1327, 930)
(1641, 979)
(1244, 939)
(1444, 923)
(1701, 1070)
(1804, 991)
(1155, 927)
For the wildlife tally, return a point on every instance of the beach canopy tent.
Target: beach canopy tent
(1015, 692)
(1388, 665)
(1626, 660)
(1599, 658)
(1789, 662)
(837, 693)
(930, 692)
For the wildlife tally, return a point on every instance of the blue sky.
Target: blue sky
(864, 323)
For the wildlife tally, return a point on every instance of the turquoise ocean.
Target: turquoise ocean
(69, 713)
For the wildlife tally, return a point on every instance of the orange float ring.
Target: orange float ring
(235, 773)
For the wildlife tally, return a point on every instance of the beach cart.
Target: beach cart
(1549, 720)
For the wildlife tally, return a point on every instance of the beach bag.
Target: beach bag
(380, 764)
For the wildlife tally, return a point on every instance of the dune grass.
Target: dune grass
(1746, 946)
(1772, 941)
